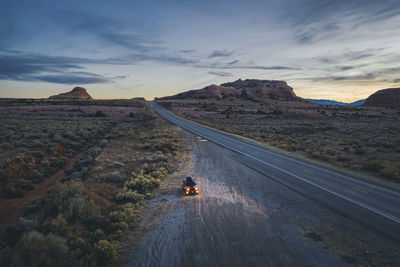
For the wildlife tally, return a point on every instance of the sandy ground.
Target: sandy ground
(243, 218)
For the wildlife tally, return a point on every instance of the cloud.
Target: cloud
(71, 79)
(233, 62)
(187, 51)
(55, 69)
(248, 67)
(108, 30)
(350, 56)
(220, 73)
(333, 78)
(60, 69)
(220, 53)
(344, 68)
(315, 20)
(160, 58)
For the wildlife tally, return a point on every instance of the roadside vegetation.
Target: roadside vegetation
(80, 221)
(357, 138)
(35, 147)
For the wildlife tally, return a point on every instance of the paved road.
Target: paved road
(367, 203)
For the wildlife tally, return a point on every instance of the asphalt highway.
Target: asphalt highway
(367, 203)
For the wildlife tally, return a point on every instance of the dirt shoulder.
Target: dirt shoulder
(152, 213)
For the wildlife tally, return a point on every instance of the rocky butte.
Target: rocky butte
(384, 98)
(250, 88)
(76, 93)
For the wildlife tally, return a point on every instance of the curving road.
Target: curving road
(369, 204)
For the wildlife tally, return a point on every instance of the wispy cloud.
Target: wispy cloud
(220, 73)
(368, 76)
(132, 58)
(70, 79)
(350, 56)
(249, 67)
(315, 20)
(233, 62)
(38, 67)
(220, 53)
(108, 30)
(55, 69)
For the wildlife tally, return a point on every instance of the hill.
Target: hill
(384, 98)
(336, 103)
(76, 93)
(250, 89)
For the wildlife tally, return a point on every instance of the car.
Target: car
(189, 186)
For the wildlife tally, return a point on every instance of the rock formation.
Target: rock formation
(264, 89)
(76, 93)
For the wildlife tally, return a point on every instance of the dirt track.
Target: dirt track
(243, 218)
(11, 209)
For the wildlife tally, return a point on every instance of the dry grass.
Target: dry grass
(84, 216)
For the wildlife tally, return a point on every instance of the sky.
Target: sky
(325, 49)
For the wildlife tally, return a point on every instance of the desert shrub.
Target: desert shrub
(14, 190)
(372, 166)
(118, 216)
(131, 115)
(277, 112)
(158, 156)
(106, 251)
(159, 173)
(44, 164)
(99, 234)
(117, 164)
(79, 209)
(18, 159)
(99, 113)
(59, 225)
(68, 171)
(63, 192)
(39, 154)
(391, 173)
(167, 147)
(129, 209)
(112, 177)
(37, 176)
(12, 234)
(58, 163)
(143, 183)
(127, 195)
(37, 204)
(3, 177)
(36, 249)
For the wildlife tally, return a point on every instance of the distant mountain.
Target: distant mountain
(250, 88)
(384, 98)
(336, 103)
(76, 93)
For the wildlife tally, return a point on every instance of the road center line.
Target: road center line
(359, 189)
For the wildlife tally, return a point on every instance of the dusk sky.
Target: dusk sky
(332, 49)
